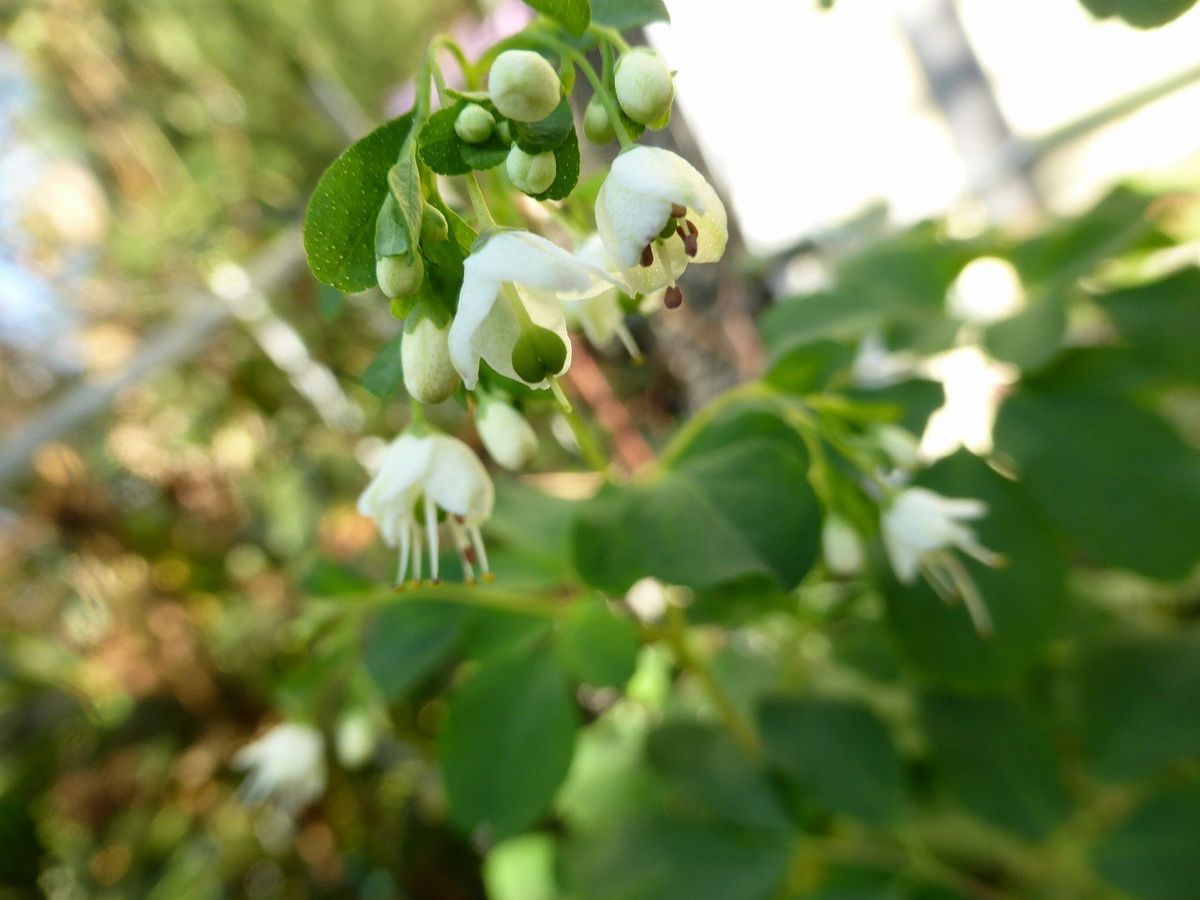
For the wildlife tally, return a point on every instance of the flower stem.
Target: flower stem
(483, 215)
(589, 446)
(606, 96)
(741, 729)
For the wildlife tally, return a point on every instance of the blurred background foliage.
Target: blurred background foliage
(191, 567)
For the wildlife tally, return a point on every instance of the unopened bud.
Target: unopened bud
(644, 86)
(842, 547)
(429, 376)
(434, 229)
(524, 87)
(900, 445)
(355, 739)
(597, 127)
(532, 173)
(509, 438)
(474, 124)
(398, 276)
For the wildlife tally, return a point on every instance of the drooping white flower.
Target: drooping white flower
(919, 523)
(286, 766)
(511, 286)
(430, 472)
(987, 290)
(647, 189)
(975, 386)
(507, 435)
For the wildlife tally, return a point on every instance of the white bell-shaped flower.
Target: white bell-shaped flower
(919, 523)
(508, 309)
(286, 766)
(647, 190)
(422, 475)
(506, 434)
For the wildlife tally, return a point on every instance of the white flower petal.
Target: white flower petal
(627, 220)
(476, 303)
(458, 481)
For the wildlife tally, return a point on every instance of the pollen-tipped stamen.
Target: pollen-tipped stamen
(673, 297)
(466, 556)
(678, 211)
(418, 546)
(405, 550)
(690, 237)
(647, 258)
(431, 530)
(480, 552)
(626, 338)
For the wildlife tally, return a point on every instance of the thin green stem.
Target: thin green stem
(604, 33)
(589, 445)
(752, 390)
(483, 215)
(739, 726)
(464, 65)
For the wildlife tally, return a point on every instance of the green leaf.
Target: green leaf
(1113, 476)
(407, 640)
(522, 868)
(655, 858)
(625, 14)
(1138, 700)
(339, 226)
(1140, 13)
(809, 368)
(597, 646)
(1161, 321)
(837, 752)
(392, 237)
(736, 506)
(1025, 598)
(709, 776)
(997, 759)
(547, 134)
(1031, 338)
(398, 230)
(1153, 853)
(383, 376)
(573, 15)
(507, 742)
(329, 302)
(566, 159)
(446, 153)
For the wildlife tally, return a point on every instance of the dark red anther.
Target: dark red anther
(469, 554)
(459, 519)
(673, 298)
(690, 242)
(647, 259)
(677, 211)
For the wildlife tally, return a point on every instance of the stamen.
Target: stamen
(626, 338)
(678, 211)
(418, 550)
(405, 549)
(647, 259)
(981, 618)
(466, 556)
(673, 298)
(431, 529)
(480, 552)
(690, 238)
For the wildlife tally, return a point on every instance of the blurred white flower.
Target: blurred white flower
(355, 738)
(918, 523)
(440, 473)
(647, 191)
(285, 766)
(975, 385)
(506, 434)
(987, 290)
(526, 273)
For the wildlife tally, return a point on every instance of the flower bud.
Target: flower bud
(644, 86)
(900, 445)
(842, 547)
(434, 229)
(596, 125)
(532, 173)
(474, 124)
(510, 439)
(429, 375)
(524, 87)
(398, 276)
(355, 739)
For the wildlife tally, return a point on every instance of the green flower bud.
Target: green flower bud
(474, 124)
(537, 354)
(596, 124)
(429, 376)
(434, 229)
(524, 87)
(399, 276)
(532, 173)
(644, 86)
